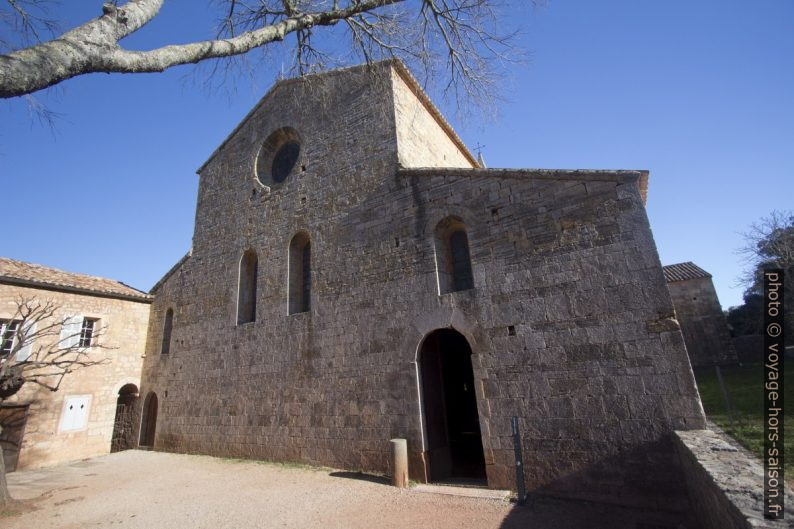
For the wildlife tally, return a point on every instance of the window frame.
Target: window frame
(5, 323)
(448, 266)
(88, 339)
(247, 287)
(269, 149)
(168, 329)
(299, 274)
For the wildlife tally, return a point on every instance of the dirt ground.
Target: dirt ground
(147, 490)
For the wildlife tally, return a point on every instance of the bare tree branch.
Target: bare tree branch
(40, 346)
(26, 19)
(769, 243)
(467, 35)
(40, 352)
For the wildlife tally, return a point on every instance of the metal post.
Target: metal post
(520, 487)
(725, 396)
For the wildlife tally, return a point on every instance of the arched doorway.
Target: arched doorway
(124, 425)
(449, 404)
(149, 422)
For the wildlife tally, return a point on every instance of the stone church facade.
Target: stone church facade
(356, 276)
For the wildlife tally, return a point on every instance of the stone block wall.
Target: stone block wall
(702, 322)
(570, 323)
(724, 483)
(124, 323)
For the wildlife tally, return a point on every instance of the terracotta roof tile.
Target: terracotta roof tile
(29, 274)
(683, 271)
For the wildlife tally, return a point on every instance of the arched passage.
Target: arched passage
(124, 424)
(449, 405)
(149, 422)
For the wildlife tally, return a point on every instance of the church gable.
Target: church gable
(424, 138)
(311, 144)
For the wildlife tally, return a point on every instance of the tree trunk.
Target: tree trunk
(5, 497)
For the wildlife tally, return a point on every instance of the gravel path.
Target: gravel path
(147, 490)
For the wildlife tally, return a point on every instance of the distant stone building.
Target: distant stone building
(699, 312)
(95, 406)
(356, 276)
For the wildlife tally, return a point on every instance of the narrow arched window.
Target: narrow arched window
(246, 288)
(453, 261)
(300, 274)
(168, 324)
(460, 260)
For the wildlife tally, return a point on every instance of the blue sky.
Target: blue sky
(699, 93)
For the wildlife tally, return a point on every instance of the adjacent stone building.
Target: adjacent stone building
(356, 276)
(700, 315)
(94, 409)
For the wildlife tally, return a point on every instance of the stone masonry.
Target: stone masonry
(700, 315)
(123, 313)
(724, 483)
(570, 324)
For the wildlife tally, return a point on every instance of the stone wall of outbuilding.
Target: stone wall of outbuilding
(703, 323)
(123, 325)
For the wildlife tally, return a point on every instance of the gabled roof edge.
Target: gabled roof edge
(171, 271)
(279, 83)
(684, 272)
(43, 285)
(406, 75)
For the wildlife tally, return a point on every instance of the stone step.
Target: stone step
(466, 492)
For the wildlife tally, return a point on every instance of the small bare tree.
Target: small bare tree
(768, 243)
(38, 346)
(470, 37)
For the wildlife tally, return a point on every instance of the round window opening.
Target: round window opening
(278, 156)
(284, 161)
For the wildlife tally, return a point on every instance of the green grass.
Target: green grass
(746, 393)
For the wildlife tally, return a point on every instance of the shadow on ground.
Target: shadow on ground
(360, 476)
(561, 513)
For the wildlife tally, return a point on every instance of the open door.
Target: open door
(124, 424)
(452, 424)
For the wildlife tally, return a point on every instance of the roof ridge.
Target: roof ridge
(34, 274)
(683, 272)
(81, 274)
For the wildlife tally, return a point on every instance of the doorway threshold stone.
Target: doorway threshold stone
(466, 492)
